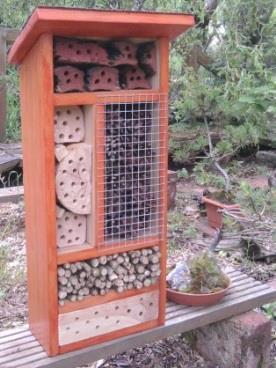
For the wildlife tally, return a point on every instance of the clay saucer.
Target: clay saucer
(196, 299)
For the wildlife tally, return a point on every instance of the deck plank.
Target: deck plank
(245, 294)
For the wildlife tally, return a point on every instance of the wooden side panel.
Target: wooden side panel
(36, 82)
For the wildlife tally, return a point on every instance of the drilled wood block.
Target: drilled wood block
(73, 183)
(134, 78)
(147, 58)
(71, 228)
(123, 53)
(109, 317)
(75, 51)
(103, 79)
(69, 79)
(69, 124)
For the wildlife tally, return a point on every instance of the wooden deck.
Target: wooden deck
(18, 348)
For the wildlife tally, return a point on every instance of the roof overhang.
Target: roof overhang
(97, 23)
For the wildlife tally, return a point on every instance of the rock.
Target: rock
(242, 341)
(267, 158)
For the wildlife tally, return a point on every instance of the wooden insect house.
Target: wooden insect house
(94, 90)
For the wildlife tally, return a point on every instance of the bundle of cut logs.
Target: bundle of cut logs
(97, 276)
(84, 65)
(130, 194)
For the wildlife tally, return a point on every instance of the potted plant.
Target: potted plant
(199, 282)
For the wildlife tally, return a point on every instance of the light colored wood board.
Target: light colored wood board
(71, 229)
(25, 360)
(73, 179)
(20, 348)
(9, 345)
(106, 318)
(12, 194)
(13, 331)
(69, 124)
(21, 354)
(15, 337)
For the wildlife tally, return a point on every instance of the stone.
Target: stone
(69, 124)
(103, 79)
(134, 78)
(122, 53)
(267, 158)
(73, 179)
(68, 79)
(71, 229)
(241, 341)
(147, 58)
(75, 51)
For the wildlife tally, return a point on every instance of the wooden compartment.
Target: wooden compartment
(93, 90)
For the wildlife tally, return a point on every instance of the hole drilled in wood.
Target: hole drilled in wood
(69, 127)
(76, 163)
(68, 230)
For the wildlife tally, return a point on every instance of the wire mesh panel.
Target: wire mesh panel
(133, 164)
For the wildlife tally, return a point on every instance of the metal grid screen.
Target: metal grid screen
(134, 155)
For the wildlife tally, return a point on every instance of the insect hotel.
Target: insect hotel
(94, 91)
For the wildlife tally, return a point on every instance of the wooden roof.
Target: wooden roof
(97, 23)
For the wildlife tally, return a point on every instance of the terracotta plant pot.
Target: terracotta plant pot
(214, 216)
(196, 299)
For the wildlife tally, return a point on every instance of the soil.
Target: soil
(184, 240)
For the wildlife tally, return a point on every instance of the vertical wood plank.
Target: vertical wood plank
(164, 87)
(99, 144)
(36, 94)
(3, 50)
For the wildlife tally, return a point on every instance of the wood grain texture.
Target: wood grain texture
(108, 317)
(36, 86)
(65, 22)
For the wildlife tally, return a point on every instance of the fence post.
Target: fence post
(3, 49)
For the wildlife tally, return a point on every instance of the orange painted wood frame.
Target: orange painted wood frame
(36, 80)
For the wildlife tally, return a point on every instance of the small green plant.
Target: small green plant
(182, 174)
(270, 310)
(257, 200)
(206, 275)
(204, 176)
